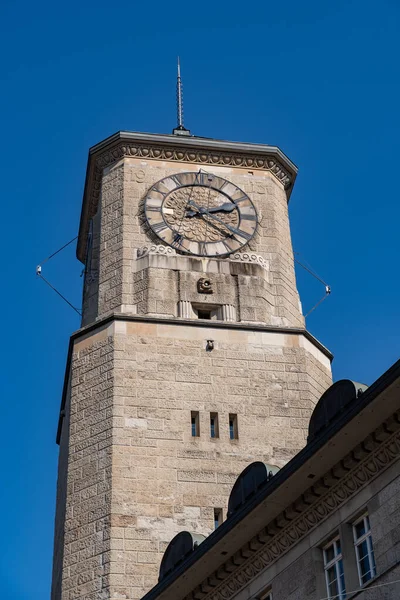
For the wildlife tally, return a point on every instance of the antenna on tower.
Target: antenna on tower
(180, 129)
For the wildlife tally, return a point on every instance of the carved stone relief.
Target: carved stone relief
(247, 257)
(155, 249)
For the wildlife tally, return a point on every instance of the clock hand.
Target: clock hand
(204, 211)
(227, 207)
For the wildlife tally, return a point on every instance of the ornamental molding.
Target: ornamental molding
(247, 257)
(155, 249)
(325, 497)
(168, 152)
(242, 257)
(198, 156)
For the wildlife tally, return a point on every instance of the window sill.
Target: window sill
(365, 586)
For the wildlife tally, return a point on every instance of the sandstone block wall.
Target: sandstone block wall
(161, 282)
(136, 476)
(81, 565)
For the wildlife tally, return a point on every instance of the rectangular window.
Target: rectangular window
(233, 427)
(204, 314)
(217, 517)
(334, 575)
(195, 424)
(364, 550)
(214, 432)
(265, 595)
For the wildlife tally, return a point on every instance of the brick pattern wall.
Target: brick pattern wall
(88, 497)
(114, 244)
(90, 296)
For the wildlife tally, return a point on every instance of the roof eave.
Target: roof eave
(196, 143)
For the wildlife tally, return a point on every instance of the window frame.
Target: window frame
(214, 426)
(195, 423)
(218, 518)
(266, 595)
(334, 562)
(358, 541)
(234, 429)
(212, 311)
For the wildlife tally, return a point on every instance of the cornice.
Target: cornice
(355, 471)
(241, 257)
(201, 151)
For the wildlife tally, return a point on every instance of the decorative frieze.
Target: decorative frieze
(199, 156)
(242, 257)
(247, 257)
(155, 249)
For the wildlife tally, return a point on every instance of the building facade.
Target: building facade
(326, 526)
(192, 360)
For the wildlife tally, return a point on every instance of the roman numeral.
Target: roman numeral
(159, 227)
(248, 217)
(175, 179)
(242, 234)
(177, 241)
(227, 246)
(202, 249)
(163, 194)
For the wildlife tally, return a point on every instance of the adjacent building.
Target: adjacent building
(327, 525)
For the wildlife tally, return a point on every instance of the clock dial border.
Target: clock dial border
(154, 214)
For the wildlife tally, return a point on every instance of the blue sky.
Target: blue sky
(318, 79)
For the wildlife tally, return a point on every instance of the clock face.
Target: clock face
(200, 214)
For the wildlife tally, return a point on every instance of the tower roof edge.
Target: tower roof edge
(206, 152)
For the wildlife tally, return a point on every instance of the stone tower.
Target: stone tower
(192, 361)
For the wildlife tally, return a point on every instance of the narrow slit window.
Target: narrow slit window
(195, 424)
(233, 427)
(364, 550)
(214, 431)
(333, 565)
(217, 517)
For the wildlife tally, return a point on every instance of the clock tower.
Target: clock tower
(192, 361)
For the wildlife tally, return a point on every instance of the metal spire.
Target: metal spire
(180, 130)
(179, 97)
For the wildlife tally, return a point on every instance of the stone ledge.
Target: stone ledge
(167, 251)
